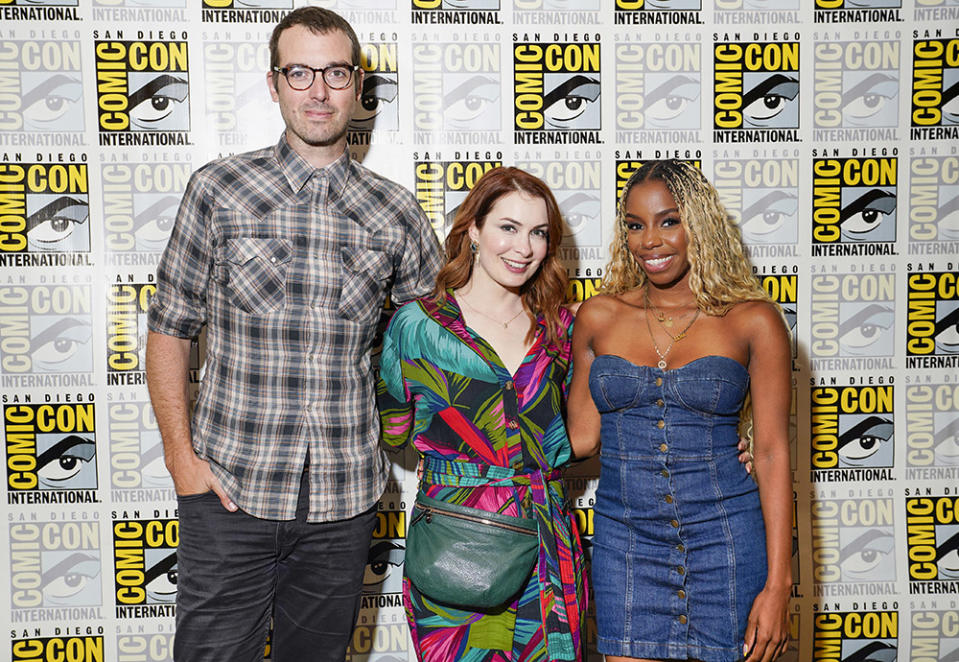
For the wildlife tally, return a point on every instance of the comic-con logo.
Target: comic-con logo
(856, 635)
(933, 203)
(139, 207)
(853, 315)
(932, 539)
(245, 11)
(854, 201)
(234, 87)
(932, 431)
(932, 323)
(54, 564)
(144, 565)
(853, 540)
(438, 11)
(127, 305)
(935, 89)
(45, 208)
(384, 565)
(441, 187)
(456, 88)
(74, 649)
(379, 104)
(934, 634)
(658, 89)
(526, 11)
(856, 85)
(46, 331)
(755, 86)
(136, 450)
(625, 167)
(581, 289)
(42, 10)
(784, 290)
(852, 427)
(775, 11)
(43, 90)
(145, 644)
(576, 185)
(644, 12)
(142, 87)
(556, 92)
(50, 446)
(762, 197)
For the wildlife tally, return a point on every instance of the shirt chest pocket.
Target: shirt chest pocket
(253, 272)
(365, 278)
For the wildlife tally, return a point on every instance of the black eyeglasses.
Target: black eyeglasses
(301, 76)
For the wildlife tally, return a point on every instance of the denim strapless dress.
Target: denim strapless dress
(679, 549)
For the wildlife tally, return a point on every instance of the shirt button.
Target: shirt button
(680, 548)
(681, 570)
(508, 386)
(664, 472)
(273, 260)
(674, 524)
(660, 424)
(660, 403)
(659, 381)
(681, 594)
(663, 447)
(668, 498)
(512, 424)
(682, 619)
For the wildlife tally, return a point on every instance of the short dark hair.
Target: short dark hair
(318, 21)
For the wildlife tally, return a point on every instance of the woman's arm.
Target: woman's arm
(582, 417)
(770, 377)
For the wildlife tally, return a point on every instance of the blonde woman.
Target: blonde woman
(691, 560)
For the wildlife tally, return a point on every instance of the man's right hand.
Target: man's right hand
(191, 475)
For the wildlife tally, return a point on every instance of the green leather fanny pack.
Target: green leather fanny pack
(467, 557)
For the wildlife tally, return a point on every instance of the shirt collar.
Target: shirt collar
(298, 172)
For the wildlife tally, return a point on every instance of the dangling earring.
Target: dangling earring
(474, 248)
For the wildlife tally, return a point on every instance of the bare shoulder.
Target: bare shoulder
(597, 309)
(758, 320)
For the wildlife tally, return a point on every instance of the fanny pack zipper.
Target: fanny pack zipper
(429, 510)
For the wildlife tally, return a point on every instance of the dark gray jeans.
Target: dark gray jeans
(237, 571)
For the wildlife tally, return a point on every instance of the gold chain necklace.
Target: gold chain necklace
(673, 339)
(493, 319)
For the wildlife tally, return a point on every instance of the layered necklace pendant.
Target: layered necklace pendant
(666, 322)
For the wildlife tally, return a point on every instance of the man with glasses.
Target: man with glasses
(286, 255)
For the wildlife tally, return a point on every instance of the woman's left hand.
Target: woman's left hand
(767, 630)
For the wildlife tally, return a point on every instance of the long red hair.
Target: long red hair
(545, 291)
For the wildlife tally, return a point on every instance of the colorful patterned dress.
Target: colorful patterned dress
(495, 441)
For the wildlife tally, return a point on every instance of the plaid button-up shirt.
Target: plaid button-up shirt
(289, 268)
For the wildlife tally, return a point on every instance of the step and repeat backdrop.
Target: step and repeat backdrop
(829, 127)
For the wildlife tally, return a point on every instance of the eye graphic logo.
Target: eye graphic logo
(384, 566)
(854, 200)
(142, 86)
(556, 87)
(853, 315)
(145, 565)
(456, 87)
(932, 427)
(933, 322)
(935, 89)
(756, 86)
(658, 86)
(932, 536)
(853, 541)
(49, 329)
(46, 208)
(140, 201)
(136, 450)
(576, 185)
(852, 427)
(851, 636)
(50, 446)
(441, 188)
(42, 90)
(856, 84)
(54, 564)
(934, 200)
(762, 196)
(379, 103)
